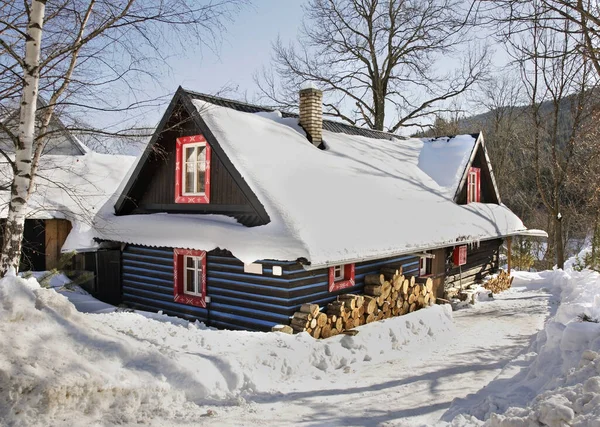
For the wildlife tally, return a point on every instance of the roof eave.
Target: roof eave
(416, 250)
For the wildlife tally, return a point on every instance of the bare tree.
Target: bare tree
(561, 90)
(382, 63)
(91, 52)
(512, 18)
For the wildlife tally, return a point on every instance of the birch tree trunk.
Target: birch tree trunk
(15, 222)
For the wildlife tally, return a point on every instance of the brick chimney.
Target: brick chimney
(311, 113)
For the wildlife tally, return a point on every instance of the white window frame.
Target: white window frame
(338, 272)
(184, 163)
(422, 266)
(472, 197)
(197, 279)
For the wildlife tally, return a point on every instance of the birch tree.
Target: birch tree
(383, 64)
(82, 55)
(22, 166)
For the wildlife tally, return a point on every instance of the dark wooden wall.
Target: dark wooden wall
(42, 241)
(481, 261)
(238, 300)
(154, 190)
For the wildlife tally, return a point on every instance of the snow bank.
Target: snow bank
(57, 364)
(557, 381)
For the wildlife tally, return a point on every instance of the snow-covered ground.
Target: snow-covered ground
(59, 366)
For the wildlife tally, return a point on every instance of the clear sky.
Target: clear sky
(245, 49)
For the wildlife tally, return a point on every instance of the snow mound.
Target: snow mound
(557, 381)
(58, 364)
(55, 360)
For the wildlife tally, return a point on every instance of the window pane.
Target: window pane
(190, 261)
(189, 154)
(201, 176)
(201, 151)
(189, 284)
(189, 178)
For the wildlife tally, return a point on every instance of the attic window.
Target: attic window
(341, 277)
(192, 170)
(190, 277)
(474, 185)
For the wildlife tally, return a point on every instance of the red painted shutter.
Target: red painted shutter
(348, 281)
(179, 165)
(179, 295)
(469, 186)
(478, 194)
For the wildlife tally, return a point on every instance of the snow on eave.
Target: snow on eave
(420, 249)
(529, 233)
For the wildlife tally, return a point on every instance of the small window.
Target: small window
(338, 272)
(192, 169)
(341, 277)
(474, 185)
(189, 285)
(192, 276)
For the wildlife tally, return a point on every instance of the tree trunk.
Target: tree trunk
(558, 238)
(15, 222)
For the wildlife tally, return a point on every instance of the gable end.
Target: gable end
(489, 189)
(151, 187)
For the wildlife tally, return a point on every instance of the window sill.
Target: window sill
(190, 300)
(342, 284)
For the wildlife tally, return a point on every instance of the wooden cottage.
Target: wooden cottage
(71, 184)
(236, 215)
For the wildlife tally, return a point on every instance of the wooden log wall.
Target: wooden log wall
(238, 300)
(482, 260)
(147, 279)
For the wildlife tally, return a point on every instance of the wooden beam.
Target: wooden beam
(509, 252)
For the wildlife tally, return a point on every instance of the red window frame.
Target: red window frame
(474, 173)
(178, 269)
(347, 282)
(179, 170)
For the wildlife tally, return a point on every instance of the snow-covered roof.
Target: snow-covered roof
(360, 198)
(70, 187)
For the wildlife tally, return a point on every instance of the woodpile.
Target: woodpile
(387, 294)
(500, 283)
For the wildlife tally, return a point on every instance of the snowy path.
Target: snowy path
(412, 391)
(59, 366)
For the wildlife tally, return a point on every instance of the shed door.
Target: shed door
(108, 276)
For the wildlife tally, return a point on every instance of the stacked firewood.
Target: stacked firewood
(396, 294)
(388, 294)
(500, 283)
(320, 325)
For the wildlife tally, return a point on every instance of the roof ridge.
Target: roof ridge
(334, 123)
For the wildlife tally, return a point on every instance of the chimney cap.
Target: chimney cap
(308, 85)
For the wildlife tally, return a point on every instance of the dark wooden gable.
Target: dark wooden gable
(151, 188)
(480, 159)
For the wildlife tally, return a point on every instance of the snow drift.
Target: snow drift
(57, 364)
(557, 381)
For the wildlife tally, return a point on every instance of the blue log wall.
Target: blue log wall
(238, 300)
